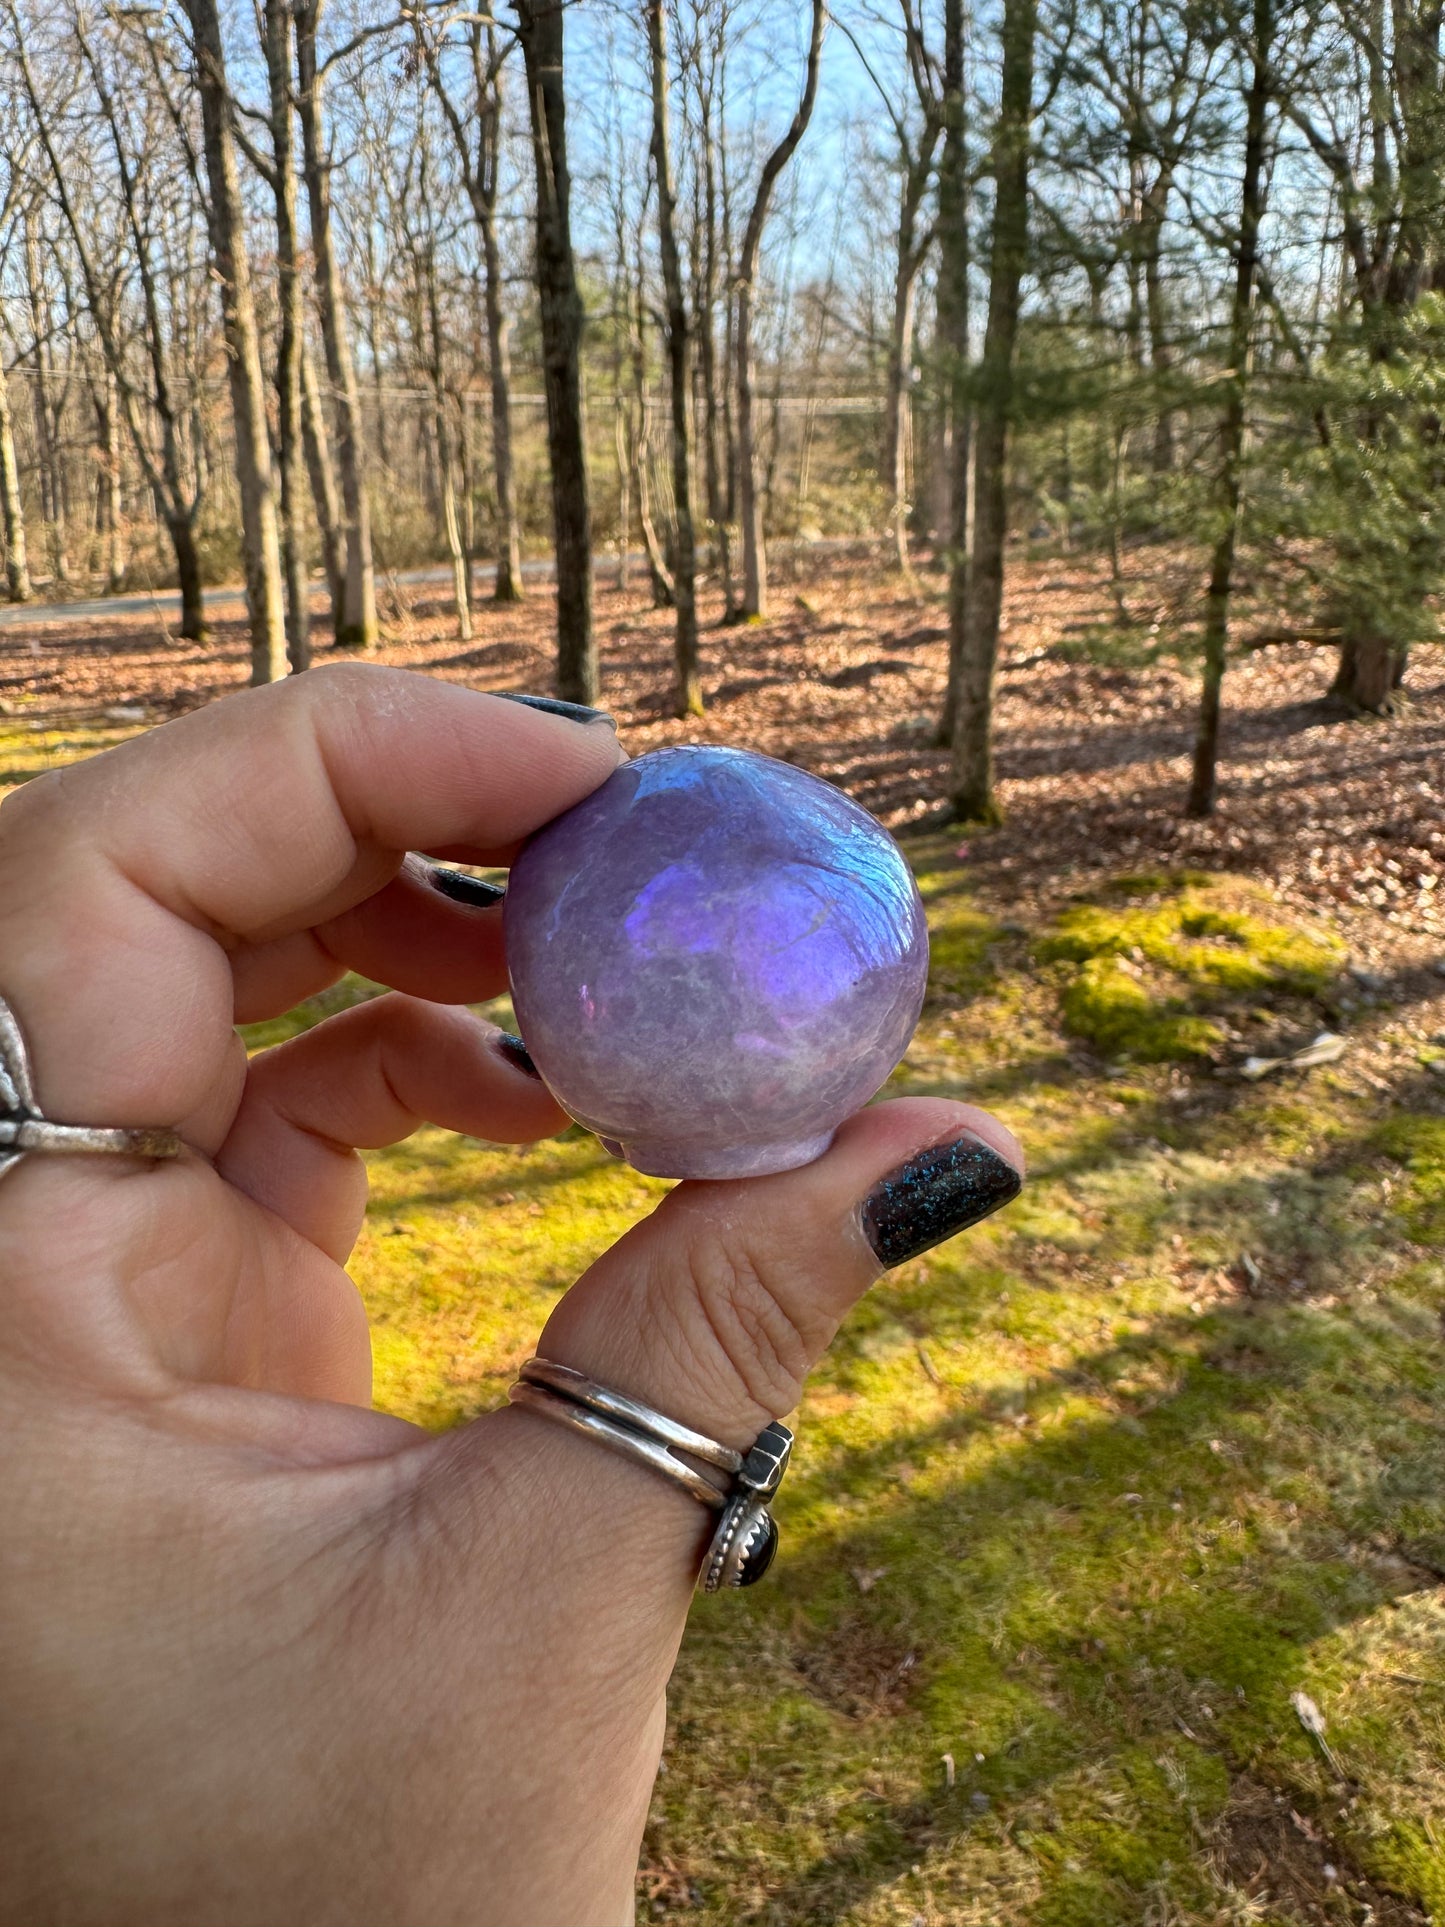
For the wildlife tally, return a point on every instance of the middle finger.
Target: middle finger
(411, 936)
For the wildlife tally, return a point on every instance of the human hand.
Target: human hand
(271, 1656)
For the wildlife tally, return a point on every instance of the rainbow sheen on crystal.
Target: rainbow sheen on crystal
(715, 959)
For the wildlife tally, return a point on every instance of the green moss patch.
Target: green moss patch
(1418, 1142)
(960, 935)
(959, 940)
(1121, 1016)
(26, 752)
(342, 995)
(1147, 970)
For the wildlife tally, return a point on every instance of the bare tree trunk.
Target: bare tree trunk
(898, 400)
(952, 336)
(117, 556)
(1200, 801)
(324, 498)
(715, 458)
(357, 628)
(52, 492)
(634, 422)
(456, 549)
(109, 513)
(182, 532)
(539, 28)
(446, 460)
(291, 338)
(755, 560)
(226, 220)
(971, 773)
(911, 248)
(17, 567)
(621, 442)
(372, 308)
(1371, 668)
(727, 421)
(688, 690)
(508, 584)
(1161, 356)
(658, 575)
(480, 171)
(935, 511)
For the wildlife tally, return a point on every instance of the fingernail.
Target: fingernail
(462, 888)
(517, 1054)
(550, 706)
(935, 1194)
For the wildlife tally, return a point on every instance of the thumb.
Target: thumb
(716, 1307)
(580, 1562)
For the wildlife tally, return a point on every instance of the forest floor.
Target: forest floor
(1085, 1501)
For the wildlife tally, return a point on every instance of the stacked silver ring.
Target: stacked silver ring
(746, 1537)
(24, 1129)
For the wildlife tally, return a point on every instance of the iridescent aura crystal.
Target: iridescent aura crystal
(715, 959)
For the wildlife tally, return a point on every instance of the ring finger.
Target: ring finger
(365, 1079)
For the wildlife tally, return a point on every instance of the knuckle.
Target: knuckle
(32, 804)
(739, 1316)
(340, 685)
(37, 832)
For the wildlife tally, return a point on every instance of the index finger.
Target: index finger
(124, 881)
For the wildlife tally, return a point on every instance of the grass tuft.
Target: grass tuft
(1157, 960)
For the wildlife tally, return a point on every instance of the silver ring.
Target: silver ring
(24, 1128)
(627, 1411)
(742, 1545)
(631, 1444)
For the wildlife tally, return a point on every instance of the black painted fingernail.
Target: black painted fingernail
(517, 1054)
(462, 888)
(935, 1194)
(550, 706)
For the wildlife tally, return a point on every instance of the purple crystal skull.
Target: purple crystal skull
(715, 959)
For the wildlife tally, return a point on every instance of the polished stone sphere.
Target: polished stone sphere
(715, 959)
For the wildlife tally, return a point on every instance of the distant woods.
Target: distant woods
(654, 285)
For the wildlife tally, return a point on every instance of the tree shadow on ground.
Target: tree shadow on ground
(527, 1182)
(1099, 1591)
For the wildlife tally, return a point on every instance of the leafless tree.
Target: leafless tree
(953, 353)
(476, 131)
(677, 333)
(917, 125)
(16, 145)
(540, 31)
(422, 242)
(230, 261)
(357, 626)
(705, 72)
(971, 789)
(1231, 428)
(291, 330)
(755, 559)
(49, 388)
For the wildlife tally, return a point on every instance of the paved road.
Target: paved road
(167, 602)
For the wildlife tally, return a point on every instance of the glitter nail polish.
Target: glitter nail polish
(939, 1192)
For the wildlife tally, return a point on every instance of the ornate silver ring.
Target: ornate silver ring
(24, 1128)
(746, 1537)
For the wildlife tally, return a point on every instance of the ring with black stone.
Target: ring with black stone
(746, 1538)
